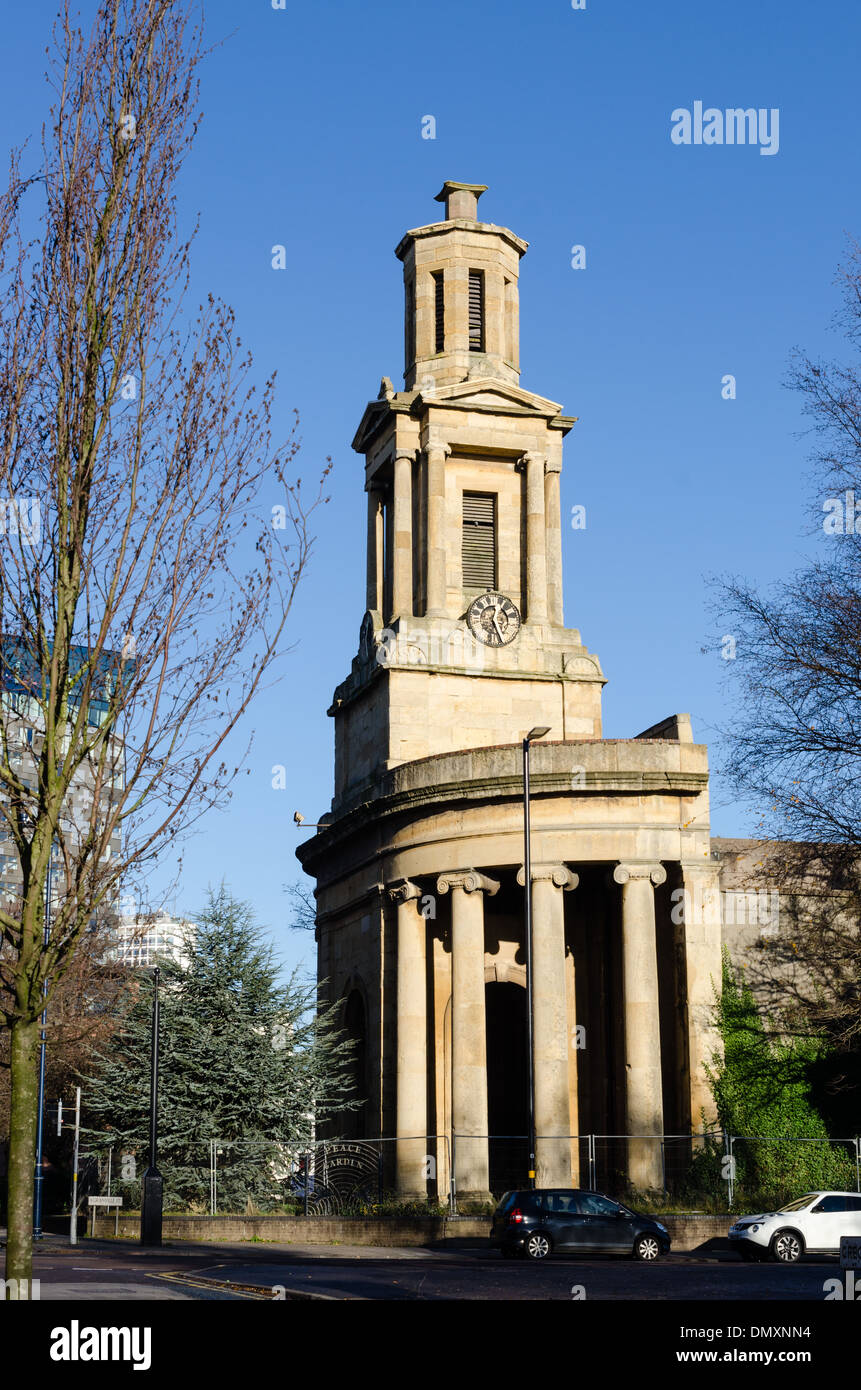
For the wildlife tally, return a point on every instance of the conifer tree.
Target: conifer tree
(245, 1060)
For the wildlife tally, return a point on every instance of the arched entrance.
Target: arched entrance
(352, 1123)
(507, 1084)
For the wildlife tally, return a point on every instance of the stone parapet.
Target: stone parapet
(609, 766)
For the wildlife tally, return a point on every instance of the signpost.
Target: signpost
(850, 1252)
(94, 1202)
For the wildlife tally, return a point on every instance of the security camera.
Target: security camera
(298, 817)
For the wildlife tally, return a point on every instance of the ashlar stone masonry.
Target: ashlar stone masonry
(463, 649)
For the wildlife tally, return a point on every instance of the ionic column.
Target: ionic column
(436, 550)
(553, 508)
(644, 1109)
(698, 934)
(550, 1023)
(536, 538)
(468, 1029)
(374, 585)
(402, 538)
(411, 1096)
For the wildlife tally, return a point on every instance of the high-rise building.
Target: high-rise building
(23, 739)
(140, 941)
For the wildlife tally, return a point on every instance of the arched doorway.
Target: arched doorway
(507, 1084)
(353, 1122)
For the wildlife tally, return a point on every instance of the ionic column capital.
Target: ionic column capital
(552, 465)
(405, 455)
(470, 880)
(623, 873)
(434, 446)
(402, 890)
(559, 874)
(530, 458)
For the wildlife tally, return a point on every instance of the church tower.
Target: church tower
(419, 863)
(463, 643)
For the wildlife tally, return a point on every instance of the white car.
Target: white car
(813, 1223)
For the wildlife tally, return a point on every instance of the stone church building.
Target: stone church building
(464, 649)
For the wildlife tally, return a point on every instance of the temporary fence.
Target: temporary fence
(789, 1166)
(363, 1177)
(615, 1164)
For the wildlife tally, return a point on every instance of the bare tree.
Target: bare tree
(154, 539)
(87, 1008)
(303, 909)
(795, 742)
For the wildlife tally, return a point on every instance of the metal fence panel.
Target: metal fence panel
(364, 1177)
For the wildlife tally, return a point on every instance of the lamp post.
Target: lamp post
(535, 733)
(152, 1199)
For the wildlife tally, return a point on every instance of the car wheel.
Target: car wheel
(537, 1246)
(646, 1248)
(787, 1247)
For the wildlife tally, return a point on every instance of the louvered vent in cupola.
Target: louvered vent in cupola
(476, 311)
(439, 311)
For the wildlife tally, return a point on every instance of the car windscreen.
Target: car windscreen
(799, 1202)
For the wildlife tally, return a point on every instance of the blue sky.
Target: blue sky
(701, 261)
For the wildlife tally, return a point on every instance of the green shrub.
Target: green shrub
(763, 1091)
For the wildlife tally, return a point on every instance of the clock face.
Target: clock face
(493, 620)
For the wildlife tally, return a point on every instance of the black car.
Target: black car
(535, 1223)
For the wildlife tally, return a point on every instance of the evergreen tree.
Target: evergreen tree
(244, 1060)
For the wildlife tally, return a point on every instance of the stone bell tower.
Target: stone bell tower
(419, 863)
(463, 642)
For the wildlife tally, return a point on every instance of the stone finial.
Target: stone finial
(461, 199)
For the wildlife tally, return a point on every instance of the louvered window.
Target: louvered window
(479, 540)
(476, 311)
(439, 311)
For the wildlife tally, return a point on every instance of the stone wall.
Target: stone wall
(686, 1232)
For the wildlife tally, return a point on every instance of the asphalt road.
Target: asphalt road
(102, 1271)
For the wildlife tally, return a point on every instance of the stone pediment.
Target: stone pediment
(491, 392)
(479, 393)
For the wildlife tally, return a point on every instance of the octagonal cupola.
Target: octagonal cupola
(461, 315)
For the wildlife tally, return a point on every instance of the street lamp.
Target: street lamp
(538, 732)
(152, 1199)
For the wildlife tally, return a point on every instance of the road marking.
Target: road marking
(107, 1270)
(256, 1292)
(210, 1284)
